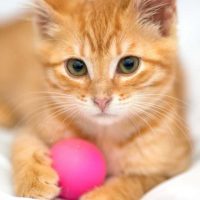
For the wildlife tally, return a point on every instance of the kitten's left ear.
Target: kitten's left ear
(46, 18)
(159, 12)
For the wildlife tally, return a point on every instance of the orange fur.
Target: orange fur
(143, 135)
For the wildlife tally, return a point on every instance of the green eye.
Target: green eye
(76, 67)
(128, 65)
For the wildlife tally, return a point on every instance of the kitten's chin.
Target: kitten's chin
(104, 119)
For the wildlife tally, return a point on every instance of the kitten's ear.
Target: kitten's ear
(46, 18)
(159, 12)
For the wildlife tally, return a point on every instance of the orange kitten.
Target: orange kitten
(103, 70)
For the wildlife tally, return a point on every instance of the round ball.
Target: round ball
(80, 166)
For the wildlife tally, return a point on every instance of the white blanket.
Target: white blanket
(183, 187)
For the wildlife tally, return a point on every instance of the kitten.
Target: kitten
(103, 70)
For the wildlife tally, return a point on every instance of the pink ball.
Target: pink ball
(80, 166)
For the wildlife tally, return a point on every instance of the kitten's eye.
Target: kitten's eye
(76, 67)
(128, 65)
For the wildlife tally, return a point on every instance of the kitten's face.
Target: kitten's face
(106, 64)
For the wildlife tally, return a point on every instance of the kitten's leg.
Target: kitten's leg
(33, 175)
(124, 188)
(7, 118)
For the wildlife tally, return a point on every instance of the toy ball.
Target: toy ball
(80, 166)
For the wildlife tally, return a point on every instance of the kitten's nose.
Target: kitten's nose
(102, 103)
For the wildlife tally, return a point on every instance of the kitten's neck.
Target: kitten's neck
(118, 131)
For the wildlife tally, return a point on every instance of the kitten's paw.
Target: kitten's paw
(37, 180)
(97, 194)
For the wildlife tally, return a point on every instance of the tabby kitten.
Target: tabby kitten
(106, 71)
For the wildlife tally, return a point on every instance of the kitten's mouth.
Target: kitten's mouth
(105, 115)
(105, 118)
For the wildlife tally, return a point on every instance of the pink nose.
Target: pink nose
(102, 103)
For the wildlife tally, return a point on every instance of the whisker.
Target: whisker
(59, 112)
(177, 121)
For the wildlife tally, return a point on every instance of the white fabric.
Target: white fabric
(183, 187)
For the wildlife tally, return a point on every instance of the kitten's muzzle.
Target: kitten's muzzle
(102, 103)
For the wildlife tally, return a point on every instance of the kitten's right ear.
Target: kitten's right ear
(46, 18)
(161, 13)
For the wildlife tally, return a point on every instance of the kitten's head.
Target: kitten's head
(107, 59)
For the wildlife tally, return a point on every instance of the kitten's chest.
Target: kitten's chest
(129, 158)
(118, 158)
